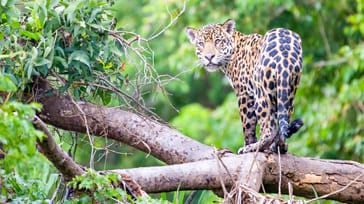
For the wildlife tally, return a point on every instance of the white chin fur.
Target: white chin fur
(211, 67)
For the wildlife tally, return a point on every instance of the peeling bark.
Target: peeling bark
(305, 174)
(323, 176)
(206, 174)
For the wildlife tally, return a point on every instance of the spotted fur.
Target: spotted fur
(264, 71)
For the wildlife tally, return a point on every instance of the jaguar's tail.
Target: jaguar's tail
(288, 77)
(293, 127)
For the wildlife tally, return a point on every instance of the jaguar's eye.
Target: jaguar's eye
(217, 41)
(201, 44)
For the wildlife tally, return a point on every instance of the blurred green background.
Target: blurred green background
(330, 99)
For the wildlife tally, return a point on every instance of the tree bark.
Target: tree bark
(305, 174)
(138, 131)
(207, 174)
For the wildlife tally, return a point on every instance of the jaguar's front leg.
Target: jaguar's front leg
(263, 145)
(267, 127)
(248, 118)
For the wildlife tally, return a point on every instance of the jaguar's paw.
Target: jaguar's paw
(248, 148)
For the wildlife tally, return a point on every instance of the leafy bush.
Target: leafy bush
(57, 38)
(22, 168)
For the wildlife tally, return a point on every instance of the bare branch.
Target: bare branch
(173, 20)
(135, 130)
(55, 154)
(323, 63)
(140, 46)
(324, 36)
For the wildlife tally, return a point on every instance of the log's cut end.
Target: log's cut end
(309, 177)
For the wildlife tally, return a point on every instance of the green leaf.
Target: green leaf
(47, 51)
(61, 61)
(6, 84)
(34, 54)
(42, 13)
(28, 34)
(29, 70)
(41, 61)
(79, 56)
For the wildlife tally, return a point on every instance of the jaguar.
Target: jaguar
(264, 70)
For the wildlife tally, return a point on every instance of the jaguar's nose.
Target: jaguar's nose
(209, 57)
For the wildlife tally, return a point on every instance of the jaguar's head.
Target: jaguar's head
(214, 44)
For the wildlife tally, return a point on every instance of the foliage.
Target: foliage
(17, 134)
(16, 189)
(54, 39)
(100, 187)
(23, 170)
(334, 112)
(58, 38)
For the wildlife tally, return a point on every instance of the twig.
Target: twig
(58, 77)
(324, 37)
(107, 147)
(220, 177)
(359, 105)
(238, 199)
(54, 196)
(145, 145)
(173, 20)
(149, 73)
(190, 197)
(263, 189)
(118, 91)
(125, 96)
(254, 160)
(223, 164)
(323, 63)
(290, 192)
(252, 191)
(91, 140)
(280, 172)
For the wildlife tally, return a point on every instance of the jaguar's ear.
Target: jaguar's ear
(229, 26)
(191, 34)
